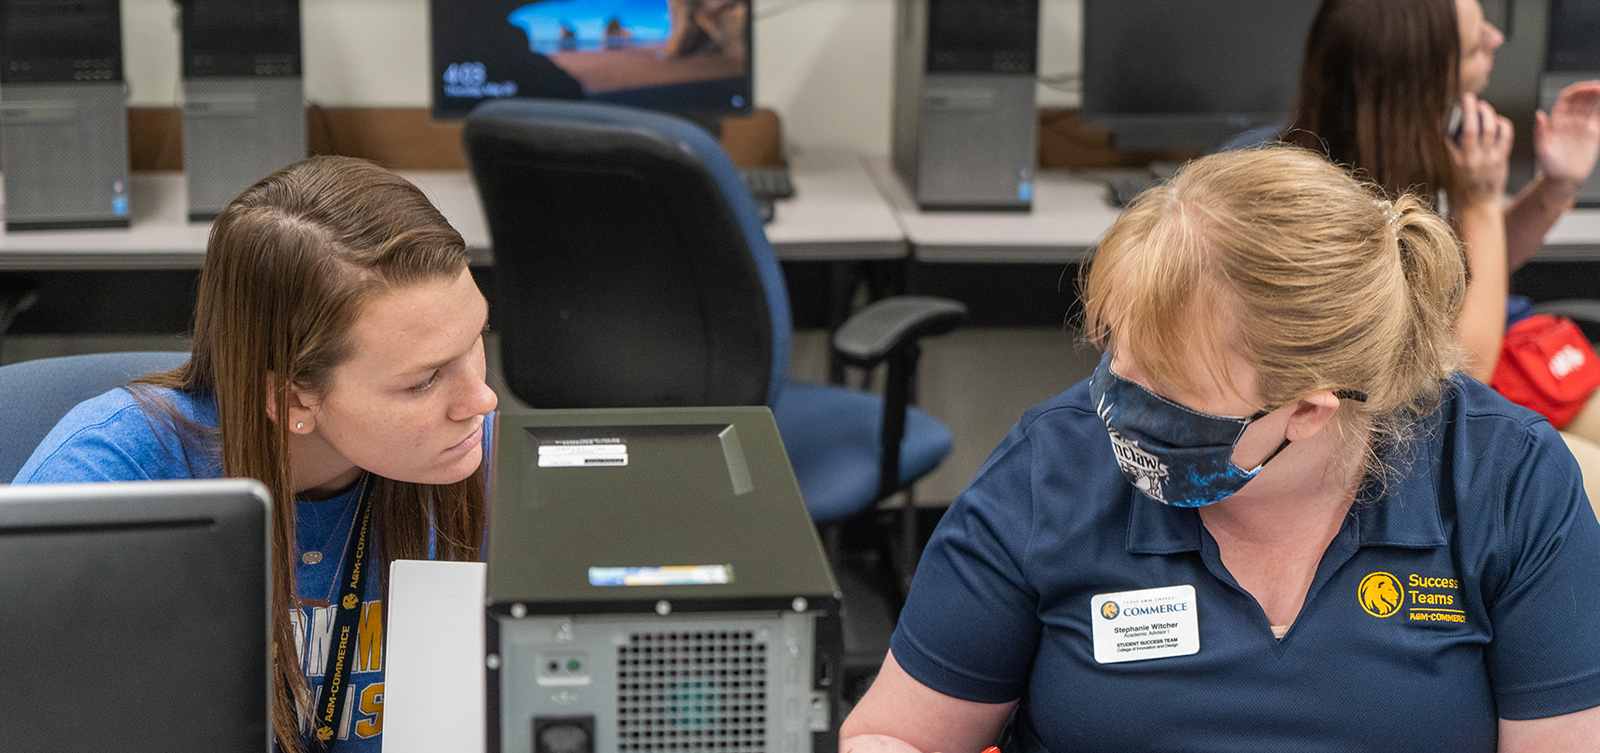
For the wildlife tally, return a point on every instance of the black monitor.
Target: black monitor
(1574, 36)
(1191, 74)
(134, 616)
(690, 57)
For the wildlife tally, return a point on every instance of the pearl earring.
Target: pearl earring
(300, 425)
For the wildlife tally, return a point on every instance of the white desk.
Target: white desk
(837, 214)
(1070, 214)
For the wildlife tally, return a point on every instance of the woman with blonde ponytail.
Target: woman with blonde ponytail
(1277, 517)
(338, 359)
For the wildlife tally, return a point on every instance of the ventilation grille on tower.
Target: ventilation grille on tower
(692, 691)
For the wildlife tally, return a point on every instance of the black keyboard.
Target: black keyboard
(1121, 191)
(768, 182)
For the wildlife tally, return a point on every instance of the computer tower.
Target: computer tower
(965, 113)
(655, 584)
(63, 114)
(244, 97)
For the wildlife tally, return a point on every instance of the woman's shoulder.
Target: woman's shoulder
(125, 434)
(1478, 418)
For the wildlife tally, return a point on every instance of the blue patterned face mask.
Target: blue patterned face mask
(1173, 454)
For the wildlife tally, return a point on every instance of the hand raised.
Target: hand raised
(1567, 140)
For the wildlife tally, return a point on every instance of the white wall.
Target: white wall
(823, 65)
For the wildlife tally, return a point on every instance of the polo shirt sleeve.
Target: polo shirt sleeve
(969, 628)
(1544, 588)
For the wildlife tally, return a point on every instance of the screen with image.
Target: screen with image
(684, 56)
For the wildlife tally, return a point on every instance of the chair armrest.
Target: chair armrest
(1579, 309)
(877, 330)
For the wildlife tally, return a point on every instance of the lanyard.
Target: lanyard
(336, 677)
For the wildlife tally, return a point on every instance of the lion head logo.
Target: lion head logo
(1381, 594)
(350, 601)
(1110, 610)
(324, 733)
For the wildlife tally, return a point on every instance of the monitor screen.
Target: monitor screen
(135, 616)
(1574, 36)
(1188, 74)
(684, 56)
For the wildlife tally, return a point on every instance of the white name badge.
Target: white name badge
(1150, 624)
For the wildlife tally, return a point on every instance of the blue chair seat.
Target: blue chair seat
(833, 435)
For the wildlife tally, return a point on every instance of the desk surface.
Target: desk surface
(1070, 214)
(837, 213)
(845, 208)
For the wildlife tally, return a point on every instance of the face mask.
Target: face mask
(1173, 454)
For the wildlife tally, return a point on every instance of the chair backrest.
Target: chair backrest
(631, 266)
(34, 395)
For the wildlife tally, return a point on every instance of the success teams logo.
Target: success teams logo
(1381, 594)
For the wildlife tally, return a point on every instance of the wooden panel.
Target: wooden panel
(403, 138)
(1065, 143)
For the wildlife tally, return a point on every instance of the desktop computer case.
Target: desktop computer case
(968, 138)
(64, 152)
(748, 666)
(236, 131)
(746, 680)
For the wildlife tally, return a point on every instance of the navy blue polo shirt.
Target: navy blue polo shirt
(1486, 548)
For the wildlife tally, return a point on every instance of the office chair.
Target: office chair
(17, 294)
(34, 395)
(632, 270)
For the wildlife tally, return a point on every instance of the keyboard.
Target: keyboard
(768, 182)
(1122, 190)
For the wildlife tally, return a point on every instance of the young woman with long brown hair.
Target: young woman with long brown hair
(338, 359)
(1389, 88)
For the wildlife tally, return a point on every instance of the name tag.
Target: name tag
(1153, 623)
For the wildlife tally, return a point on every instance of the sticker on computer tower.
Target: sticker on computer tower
(583, 453)
(673, 575)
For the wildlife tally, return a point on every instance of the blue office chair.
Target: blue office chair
(34, 395)
(631, 269)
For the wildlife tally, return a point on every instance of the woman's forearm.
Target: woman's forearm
(1534, 210)
(1482, 321)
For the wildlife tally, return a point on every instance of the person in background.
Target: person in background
(338, 359)
(1390, 88)
(1275, 518)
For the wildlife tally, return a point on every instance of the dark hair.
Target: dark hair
(1375, 88)
(289, 265)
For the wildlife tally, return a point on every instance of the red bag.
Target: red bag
(1547, 364)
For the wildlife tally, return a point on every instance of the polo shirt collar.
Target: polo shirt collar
(1406, 514)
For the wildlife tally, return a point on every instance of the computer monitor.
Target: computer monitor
(134, 616)
(690, 57)
(1191, 74)
(1572, 55)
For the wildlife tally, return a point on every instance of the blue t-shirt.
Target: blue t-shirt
(1485, 535)
(111, 438)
